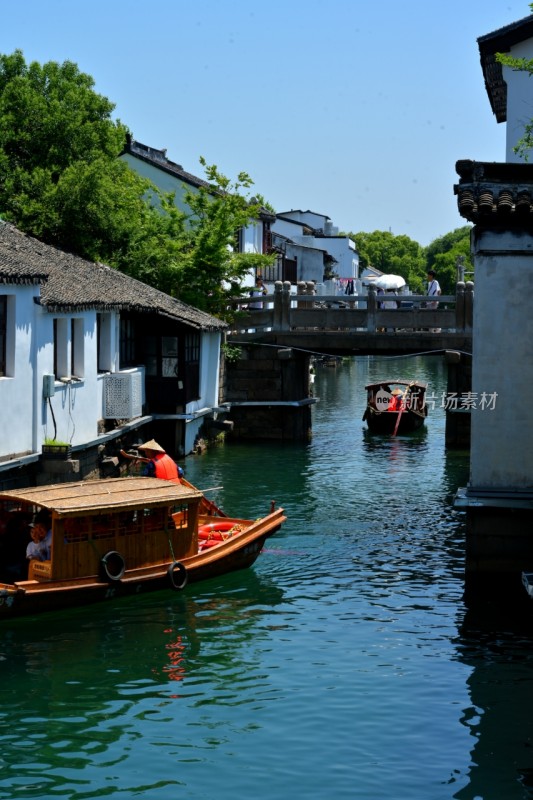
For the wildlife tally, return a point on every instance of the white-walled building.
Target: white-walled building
(314, 248)
(170, 177)
(497, 197)
(509, 90)
(87, 353)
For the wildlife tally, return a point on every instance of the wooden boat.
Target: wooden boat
(395, 406)
(119, 536)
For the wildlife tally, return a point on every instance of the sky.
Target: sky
(355, 109)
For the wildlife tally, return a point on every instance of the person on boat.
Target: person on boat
(395, 403)
(37, 548)
(43, 518)
(160, 464)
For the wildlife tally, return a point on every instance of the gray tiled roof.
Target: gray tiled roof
(70, 283)
(158, 158)
(501, 41)
(495, 196)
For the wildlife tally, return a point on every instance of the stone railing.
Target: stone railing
(284, 311)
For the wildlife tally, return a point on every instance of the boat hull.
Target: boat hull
(395, 406)
(386, 421)
(28, 598)
(121, 537)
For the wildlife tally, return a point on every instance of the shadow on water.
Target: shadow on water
(496, 644)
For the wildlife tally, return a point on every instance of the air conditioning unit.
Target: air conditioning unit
(122, 395)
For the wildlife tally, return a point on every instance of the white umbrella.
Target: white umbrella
(389, 282)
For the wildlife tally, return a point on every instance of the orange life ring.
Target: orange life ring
(206, 543)
(214, 530)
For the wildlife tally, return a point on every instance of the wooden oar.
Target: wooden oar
(208, 504)
(402, 408)
(400, 412)
(134, 458)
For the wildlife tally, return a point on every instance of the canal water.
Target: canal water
(345, 664)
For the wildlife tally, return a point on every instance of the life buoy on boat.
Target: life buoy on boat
(214, 530)
(113, 566)
(205, 544)
(177, 575)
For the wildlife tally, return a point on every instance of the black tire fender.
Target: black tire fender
(113, 566)
(178, 575)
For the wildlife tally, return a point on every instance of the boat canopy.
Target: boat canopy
(399, 382)
(106, 495)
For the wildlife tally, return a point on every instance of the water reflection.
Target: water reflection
(93, 678)
(346, 657)
(499, 650)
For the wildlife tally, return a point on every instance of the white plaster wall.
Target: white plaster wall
(163, 180)
(17, 388)
(209, 385)
(343, 250)
(253, 238)
(310, 218)
(502, 439)
(27, 418)
(519, 99)
(77, 405)
(310, 263)
(289, 229)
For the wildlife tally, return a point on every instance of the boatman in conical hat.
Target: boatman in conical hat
(159, 464)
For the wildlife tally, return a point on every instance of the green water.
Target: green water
(343, 665)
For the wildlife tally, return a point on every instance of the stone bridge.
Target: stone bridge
(266, 388)
(355, 325)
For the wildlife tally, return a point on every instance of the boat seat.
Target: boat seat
(40, 570)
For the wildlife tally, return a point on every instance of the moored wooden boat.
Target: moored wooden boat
(118, 536)
(395, 406)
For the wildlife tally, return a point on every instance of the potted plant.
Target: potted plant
(54, 448)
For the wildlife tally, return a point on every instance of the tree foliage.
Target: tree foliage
(396, 255)
(524, 145)
(211, 271)
(445, 254)
(61, 180)
(400, 255)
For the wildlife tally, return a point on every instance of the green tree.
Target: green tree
(58, 142)
(62, 181)
(396, 255)
(210, 271)
(444, 254)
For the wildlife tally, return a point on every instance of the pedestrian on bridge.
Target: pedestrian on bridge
(433, 291)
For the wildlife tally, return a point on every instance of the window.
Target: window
(103, 337)
(149, 348)
(192, 348)
(61, 361)
(192, 366)
(77, 359)
(267, 238)
(169, 356)
(127, 343)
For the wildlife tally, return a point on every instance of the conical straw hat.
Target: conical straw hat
(151, 445)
